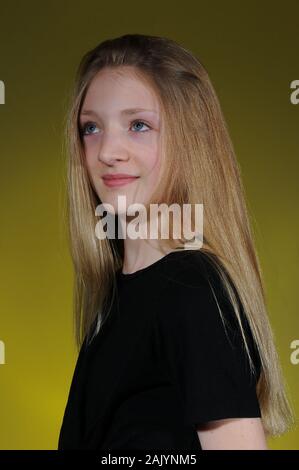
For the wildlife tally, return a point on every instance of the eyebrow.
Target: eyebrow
(123, 111)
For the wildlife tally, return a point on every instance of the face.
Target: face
(120, 139)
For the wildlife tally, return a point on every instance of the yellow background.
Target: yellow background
(251, 53)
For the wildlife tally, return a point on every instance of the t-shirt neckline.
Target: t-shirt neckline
(126, 276)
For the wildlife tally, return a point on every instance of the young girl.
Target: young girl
(176, 351)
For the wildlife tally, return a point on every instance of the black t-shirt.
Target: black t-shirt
(162, 363)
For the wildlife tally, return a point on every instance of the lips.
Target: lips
(118, 179)
(118, 176)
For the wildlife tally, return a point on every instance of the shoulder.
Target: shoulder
(196, 292)
(195, 275)
(191, 267)
(193, 292)
(198, 308)
(194, 280)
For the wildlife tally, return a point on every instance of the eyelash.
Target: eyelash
(84, 126)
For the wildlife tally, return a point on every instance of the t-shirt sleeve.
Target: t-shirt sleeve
(212, 366)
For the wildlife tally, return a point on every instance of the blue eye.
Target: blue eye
(141, 122)
(90, 127)
(84, 129)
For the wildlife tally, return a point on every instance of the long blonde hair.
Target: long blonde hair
(199, 165)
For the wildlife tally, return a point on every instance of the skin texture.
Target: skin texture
(117, 143)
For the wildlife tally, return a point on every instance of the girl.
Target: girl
(176, 350)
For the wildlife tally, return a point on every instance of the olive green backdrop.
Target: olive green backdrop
(250, 52)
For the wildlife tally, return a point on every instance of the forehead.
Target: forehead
(120, 88)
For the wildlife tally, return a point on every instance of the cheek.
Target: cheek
(146, 149)
(150, 159)
(154, 164)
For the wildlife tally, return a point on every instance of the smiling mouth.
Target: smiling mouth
(116, 182)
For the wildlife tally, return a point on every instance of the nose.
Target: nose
(112, 148)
